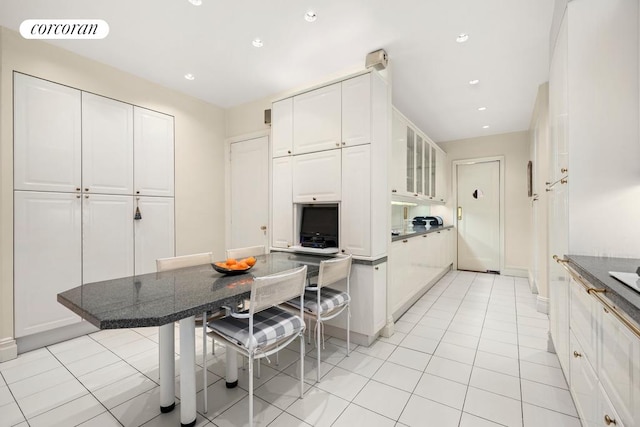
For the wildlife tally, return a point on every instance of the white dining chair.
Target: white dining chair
(322, 303)
(246, 252)
(172, 263)
(265, 328)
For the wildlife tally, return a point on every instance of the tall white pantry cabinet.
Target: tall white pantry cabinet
(83, 164)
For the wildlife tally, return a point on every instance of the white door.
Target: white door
(282, 202)
(356, 110)
(47, 258)
(107, 237)
(317, 177)
(355, 210)
(249, 192)
(107, 145)
(317, 120)
(478, 195)
(47, 135)
(153, 153)
(153, 231)
(282, 127)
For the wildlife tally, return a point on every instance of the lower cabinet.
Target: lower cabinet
(604, 364)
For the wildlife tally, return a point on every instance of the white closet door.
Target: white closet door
(107, 145)
(47, 258)
(317, 120)
(356, 110)
(154, 232)
(47, 136)
(282, 203)
(107, 242)
(355, 210)
(153, 153)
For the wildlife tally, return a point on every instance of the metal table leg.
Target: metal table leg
(167, 368)
(188, 372)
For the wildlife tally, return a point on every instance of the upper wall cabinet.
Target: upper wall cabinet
(356, 110)
(107, 145)
(282, 128)
(47, 120)
(317, 120)
(317, 177)
(153, 153)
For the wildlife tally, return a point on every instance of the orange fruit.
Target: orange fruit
(242, 265)
(231, 261)
(221, 264)
(250, 261)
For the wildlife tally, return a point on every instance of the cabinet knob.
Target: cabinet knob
(394, 191)
(86, 196)
(288, 151)
(86, 189)
(77, 196)
(343, 251)
(137, 192)
(263, 227)
(576, 354)
(405, 241)
(313, 198)
(415, 194)
(337, 144)
(424, 235)
(78, 188)
(344, 143)
(608, 420)
(565, 170)
(376, 268)
(442, 200)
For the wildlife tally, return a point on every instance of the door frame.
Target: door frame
(227, 181)
(454, 181)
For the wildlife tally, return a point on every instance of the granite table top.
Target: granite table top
(156, 299)
(596, 271)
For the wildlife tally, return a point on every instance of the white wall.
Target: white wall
(199, 148)
(515, 149)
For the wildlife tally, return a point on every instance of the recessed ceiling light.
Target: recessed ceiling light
(195, 2)
(462, 38)
(257, 43)
(474, 82)
(189, 76)
(482, 108)
(485, 127)
(310, 16)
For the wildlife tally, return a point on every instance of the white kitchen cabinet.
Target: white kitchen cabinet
(47, 258)
(433, 167)
(400, 286)
(317, 120)
(153, 232)
(107, 145)
(584, 385)
(282, 203)
(440, 176)
(356, 111)
(153, 153)
(399, 155)
(47, 135)
(619, 368)
(107, 237)
(584, 321)
(355, 221)
(317, 177)
(282, 128)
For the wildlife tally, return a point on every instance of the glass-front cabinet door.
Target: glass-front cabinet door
(420, 187)
(411, 164)
(432, 192)
(427, 167)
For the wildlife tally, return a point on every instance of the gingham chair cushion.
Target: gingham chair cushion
(329, 299)
(269, 326)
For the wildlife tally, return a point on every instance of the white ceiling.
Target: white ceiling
(161, 40)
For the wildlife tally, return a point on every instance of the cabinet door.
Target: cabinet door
(399, 155)
(422, 160)
(400, 288)
(584, 385)
(440, 176)
(410, 186)
(154, 232)
(356, 110)
(619, 368)
(282, 203)
(355, 210)
(153, 153)
(449, 249)
(583, 320)
(107, 241)
(282, 127)
(432, 173)
(47, 135)
(317, 120)
(107, 145)
(47, 258)
(317, 177)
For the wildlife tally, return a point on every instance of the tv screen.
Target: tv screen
(319, 221)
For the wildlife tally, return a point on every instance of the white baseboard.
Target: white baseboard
(515, 272)
(8, 349)
(43, 339)
(542, 304)
(533, 285)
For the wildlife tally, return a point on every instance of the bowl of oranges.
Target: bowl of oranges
(234, 266)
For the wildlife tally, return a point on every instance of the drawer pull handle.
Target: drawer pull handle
(576, 354)
(608, 420)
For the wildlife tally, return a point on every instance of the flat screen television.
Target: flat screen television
(319, 227)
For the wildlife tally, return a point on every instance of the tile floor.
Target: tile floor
(470, 353)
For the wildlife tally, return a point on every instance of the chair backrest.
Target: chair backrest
(333, 270)
(245, 252)
(164, 264)
(275, 289)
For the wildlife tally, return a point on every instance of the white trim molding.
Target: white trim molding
(542, 304)
(516, 272)
(8, 349)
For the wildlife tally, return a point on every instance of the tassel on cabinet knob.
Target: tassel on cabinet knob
(137, 216)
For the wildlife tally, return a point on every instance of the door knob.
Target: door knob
(263, 227)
